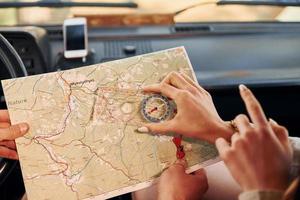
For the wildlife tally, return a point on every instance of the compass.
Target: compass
(156, 108)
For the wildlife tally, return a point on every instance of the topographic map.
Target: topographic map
(82, 142)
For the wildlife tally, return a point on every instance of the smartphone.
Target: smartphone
(75, 38)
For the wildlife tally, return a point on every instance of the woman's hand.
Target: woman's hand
(8, 133)
(175, 184)
(196, 114)
(259, 156)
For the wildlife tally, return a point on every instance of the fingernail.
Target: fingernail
(273, 121)
(181, 162)
(24, 127)
(242, 87)
(143, 129)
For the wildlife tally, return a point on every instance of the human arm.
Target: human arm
(259, 156)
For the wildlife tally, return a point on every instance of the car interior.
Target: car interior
(256, 43)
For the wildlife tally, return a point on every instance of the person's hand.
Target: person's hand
(196, 114)
(259, 156)
(8, 133)
(175, 184)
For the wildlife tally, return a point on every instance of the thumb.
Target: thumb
(179, 165)
(13, 131)
(200, 172)
(160, 128)
(202, 179)
(4, 124)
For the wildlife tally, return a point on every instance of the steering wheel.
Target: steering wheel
(11, 66)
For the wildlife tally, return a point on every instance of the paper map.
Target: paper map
(82, 142)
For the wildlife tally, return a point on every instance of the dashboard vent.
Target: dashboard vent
(116, 49)
(55, 33)
(191, 28)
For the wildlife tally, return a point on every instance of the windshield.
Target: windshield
(186, 11)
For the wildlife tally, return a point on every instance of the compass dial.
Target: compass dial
(157, 108)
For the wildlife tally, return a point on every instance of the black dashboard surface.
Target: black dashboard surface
(265, 56)
(221, 54)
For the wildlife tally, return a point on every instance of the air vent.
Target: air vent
(55, 33)
(191, 29)
(118, 49)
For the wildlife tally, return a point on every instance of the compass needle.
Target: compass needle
(156, 108)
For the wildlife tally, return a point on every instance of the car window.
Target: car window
(183, 10)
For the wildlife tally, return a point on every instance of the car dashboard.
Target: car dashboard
(265, 56)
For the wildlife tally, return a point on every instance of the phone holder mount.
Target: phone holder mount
(62, 63)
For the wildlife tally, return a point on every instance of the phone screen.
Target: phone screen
(75, 37)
